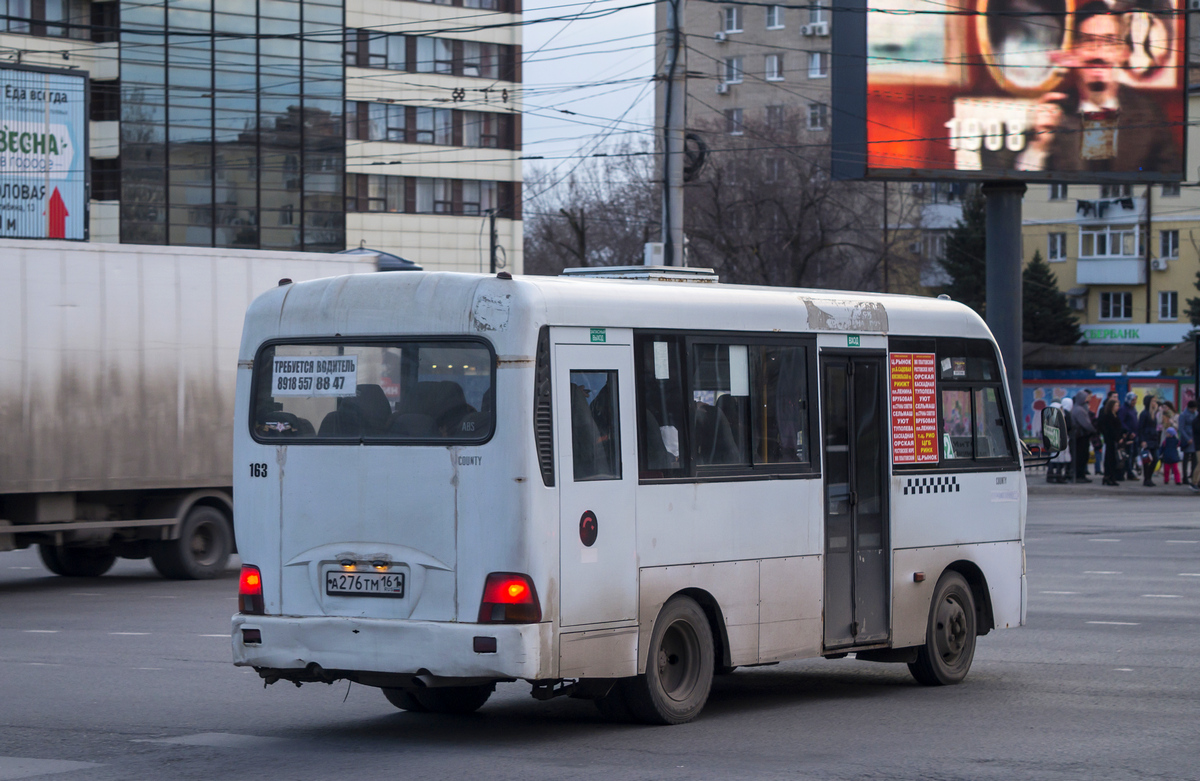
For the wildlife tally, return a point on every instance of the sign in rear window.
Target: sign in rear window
(315, 376)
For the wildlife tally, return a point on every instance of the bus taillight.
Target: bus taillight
(250, 592)
(509, 598)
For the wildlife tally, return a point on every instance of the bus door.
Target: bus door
(596, 445)
(856, 528)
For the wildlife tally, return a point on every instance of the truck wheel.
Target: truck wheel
(404, 700)
(77, 562)
(456, 700)
(679, 668)
(202, 550)
(950, 637)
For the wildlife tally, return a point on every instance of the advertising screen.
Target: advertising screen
(43, 154)
(1034, 90)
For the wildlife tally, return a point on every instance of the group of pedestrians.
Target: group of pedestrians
(1126, 441)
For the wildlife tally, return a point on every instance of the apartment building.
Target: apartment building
(294, 124)
(1125, 255)
(756, 64)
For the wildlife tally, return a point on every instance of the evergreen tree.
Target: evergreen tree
(966, 256)
(1047, 315)
(1193, 309)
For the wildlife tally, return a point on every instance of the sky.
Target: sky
(598, 68)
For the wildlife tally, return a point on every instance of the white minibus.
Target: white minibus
(616, 488)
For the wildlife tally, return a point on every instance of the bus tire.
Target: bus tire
(202, 550)
(404, 700)
(76, 562)
(679, 666)
(454, 700)
(949, 646)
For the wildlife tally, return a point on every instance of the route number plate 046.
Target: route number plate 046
(365, 584)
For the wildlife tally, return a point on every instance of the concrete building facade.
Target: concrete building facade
(295, 124)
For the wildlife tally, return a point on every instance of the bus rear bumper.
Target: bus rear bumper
(391, 647)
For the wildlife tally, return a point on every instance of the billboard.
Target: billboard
(1029, 90)
(43, 153)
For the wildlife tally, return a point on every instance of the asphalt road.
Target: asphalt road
(128, 677)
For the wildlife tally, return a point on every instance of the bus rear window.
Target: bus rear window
(394, 391)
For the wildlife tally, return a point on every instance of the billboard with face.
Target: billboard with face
(1034, 90)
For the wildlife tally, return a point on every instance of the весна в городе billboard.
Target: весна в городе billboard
(43, 153)
(1033, 90)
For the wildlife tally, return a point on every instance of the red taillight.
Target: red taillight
(250, 591)
(509, 598)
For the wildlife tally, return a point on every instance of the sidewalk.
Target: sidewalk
(1039, 487)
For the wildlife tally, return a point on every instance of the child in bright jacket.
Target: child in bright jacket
(1171, 457)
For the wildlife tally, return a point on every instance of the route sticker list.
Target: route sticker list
(913, 389)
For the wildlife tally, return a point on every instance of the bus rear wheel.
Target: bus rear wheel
(950, 637)
(679, 668)
(456, 700)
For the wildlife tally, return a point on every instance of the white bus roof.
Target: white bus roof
(449, 302)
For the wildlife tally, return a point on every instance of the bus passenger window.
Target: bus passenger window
(595, 426)
(720, 393)
(956, 424)
(661, 408)
(780, 413)
(990, 441)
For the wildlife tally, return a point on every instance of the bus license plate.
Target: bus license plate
(365, 584)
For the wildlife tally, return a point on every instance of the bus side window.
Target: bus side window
(595, 426)
(780, 413)
(661, 408)
(956, 424)
(720, 392)
(990, 441)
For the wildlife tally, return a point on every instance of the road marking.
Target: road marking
(131, 634)
(1183, 542)
(1100, 572)
(1114, 623)
(1163, 596)
(22, 567)
(1123, 669)
(44, 664)
(1103, 539)
(1189, 574)
(216, 740)
(84, 594)
(24, 767)
(147, 668)
(225, 636)
(41, 631)
(164, 596)
(1060, 592)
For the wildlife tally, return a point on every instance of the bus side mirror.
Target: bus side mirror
(1054, 429)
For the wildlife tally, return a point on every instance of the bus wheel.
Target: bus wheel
(679, 668)
(404, 700)
(457, 700)
(77, 562)
(950, 637)
(202, 550)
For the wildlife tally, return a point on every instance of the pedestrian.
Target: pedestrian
(1171, 457)
(1081, 416)
(1148, 438)
(1098, 443)
(1186, 419)
(1112, 431)
(1060, 464)
(1129, 419)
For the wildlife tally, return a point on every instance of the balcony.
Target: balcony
(1111, 271)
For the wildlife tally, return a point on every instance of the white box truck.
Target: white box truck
(117, 375)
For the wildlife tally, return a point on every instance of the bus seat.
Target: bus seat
(374, 407)
(412, 424)
(714, 443)
(657, 455)
(731, 410)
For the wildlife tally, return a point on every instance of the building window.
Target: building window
(1170, 190)
(818, 65)
(106, 179)
(934, 244)
(733, 122)
(478, 197)
(1110, 241)
(434, 55)
(1116, 191)
(774, 67)
(731, 70)
(372, 193)
(369, 49)
(733, 19)
(37, 17)
(1116, 306)
(1168, 305)
(106, 99)
(1057, 250)
(1168, 244)
(434, 196)
(776, 117)
(481, 60)
(817, 13)
(775, 169)
(1058, 192)
(774, 17)
(818, 116)
(434, 126)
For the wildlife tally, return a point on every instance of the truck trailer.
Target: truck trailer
(117, 375)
